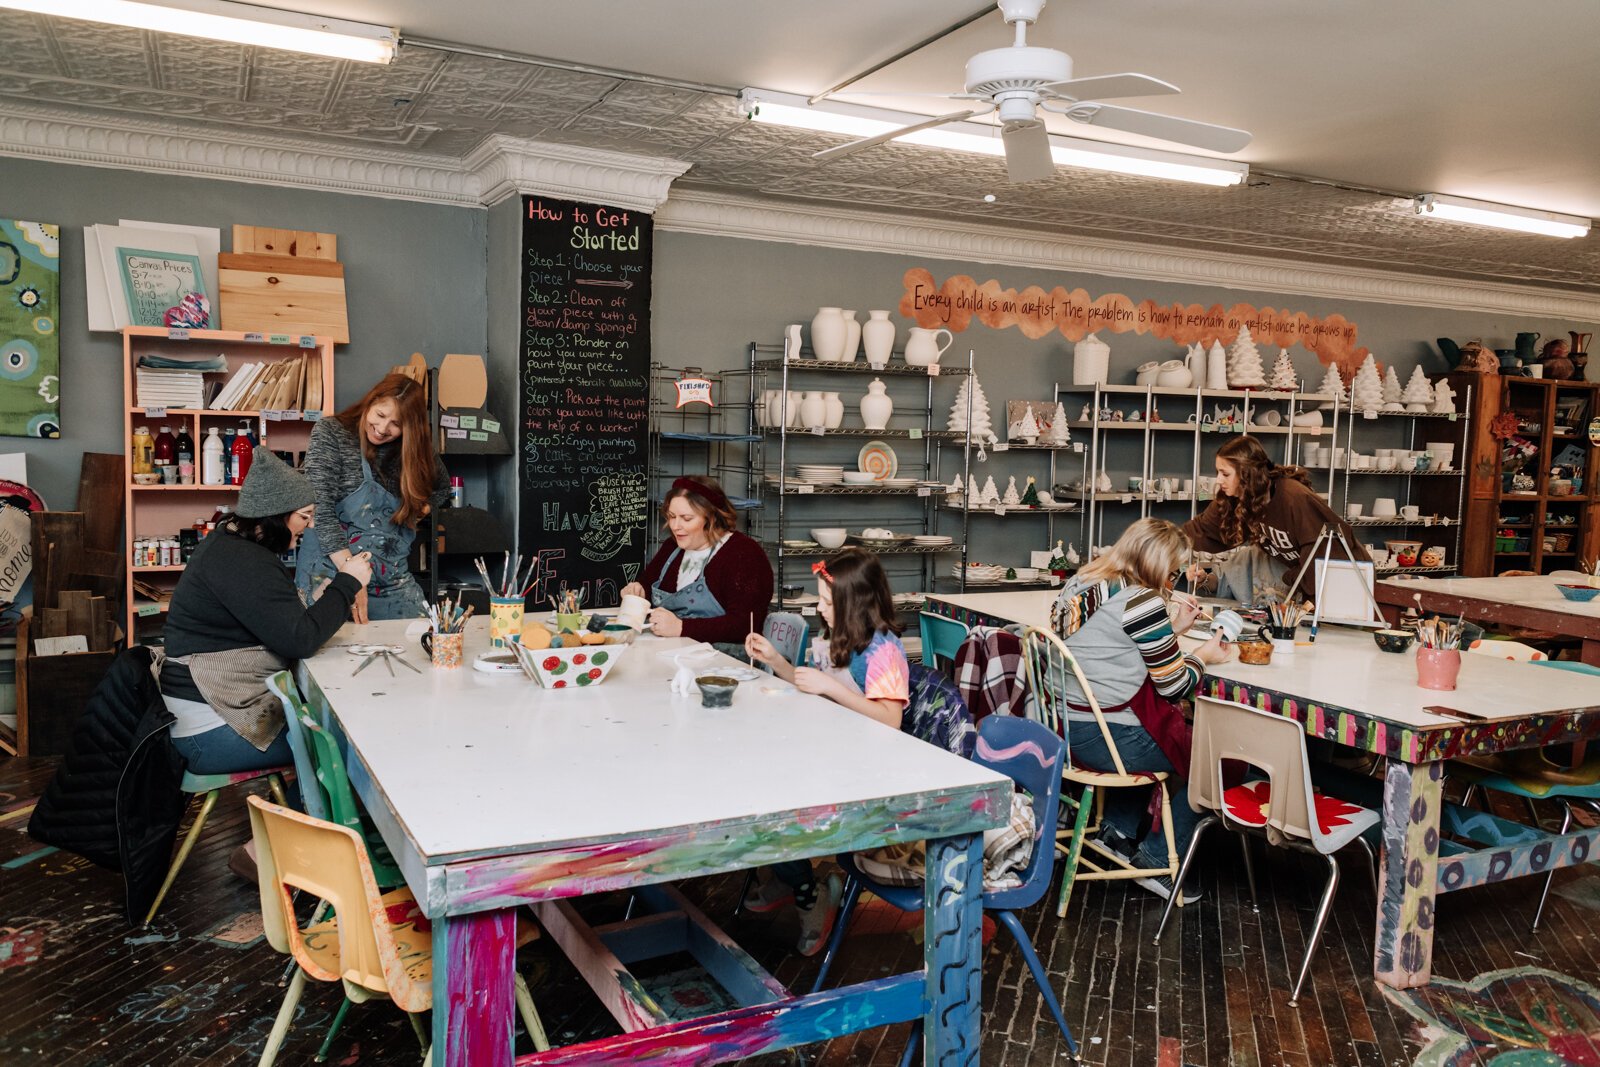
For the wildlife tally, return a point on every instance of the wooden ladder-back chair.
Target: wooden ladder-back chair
(1284, 808)
(1049, 664)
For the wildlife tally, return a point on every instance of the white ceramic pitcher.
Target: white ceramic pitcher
(921, 347)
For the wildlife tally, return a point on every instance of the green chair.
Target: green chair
(940, 639)
(210, 786)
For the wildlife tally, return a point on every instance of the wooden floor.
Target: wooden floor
(79, 988)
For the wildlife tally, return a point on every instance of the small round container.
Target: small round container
(1437, 668)
(1282, 638)
(1395, 640)
(716, 690)
(1255, 652)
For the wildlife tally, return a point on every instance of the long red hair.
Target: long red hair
(417, 462)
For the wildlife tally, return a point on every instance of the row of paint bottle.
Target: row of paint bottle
(224, 457)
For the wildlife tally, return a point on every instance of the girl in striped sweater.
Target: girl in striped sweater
(1114, 617)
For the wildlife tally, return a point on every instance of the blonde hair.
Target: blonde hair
(1146, 554)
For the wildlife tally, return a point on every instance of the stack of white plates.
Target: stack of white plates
(932, 540)
(979, 572)
(898, 483)
(818, 474)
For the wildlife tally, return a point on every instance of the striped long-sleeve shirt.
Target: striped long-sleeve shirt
(1121, 635)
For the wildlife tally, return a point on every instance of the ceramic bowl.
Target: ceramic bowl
(1174, 375)
(829, 536)
(716, 690)
(1395, 640)
(1256, 653)
(1146, 374)
(577, 667)
(147, 479)
(859, 477)
(1403, 548)
(1578, 592)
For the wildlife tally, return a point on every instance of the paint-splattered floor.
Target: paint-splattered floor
(78, 988)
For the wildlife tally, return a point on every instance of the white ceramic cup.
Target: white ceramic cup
(1352, 511)
(1536, 370)
(1410, 511)
(1383, 508)
(1188, 485)
(633, 611)
(1229, 623)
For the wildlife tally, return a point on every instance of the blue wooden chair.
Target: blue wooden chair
(940, 638)
(789, 633)
(1031, 755)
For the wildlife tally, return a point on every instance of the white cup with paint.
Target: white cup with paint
(634, 611)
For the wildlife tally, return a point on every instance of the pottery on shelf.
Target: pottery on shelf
(877, 337)
(1174, 374)
(852, 336)
(1216, 366)
(764, 408)
(923, 348)
(1091, 360)
(813, 410)
(828, 334)
(876, 406)
(1146, 373)
(835, 410)
(791, 342)
(789, 407)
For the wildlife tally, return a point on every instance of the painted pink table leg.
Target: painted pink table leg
(474, 957)
(1408, 875)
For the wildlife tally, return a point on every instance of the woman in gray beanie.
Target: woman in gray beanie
(236, 619)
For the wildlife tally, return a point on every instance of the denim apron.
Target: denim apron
(695, 601)
(368, 512)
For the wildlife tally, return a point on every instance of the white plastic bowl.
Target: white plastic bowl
(829, 536)
(859, 477)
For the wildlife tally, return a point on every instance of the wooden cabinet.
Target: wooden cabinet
(161, 511)
(1521, 515)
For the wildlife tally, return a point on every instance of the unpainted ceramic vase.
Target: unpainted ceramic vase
(876, 406)
(852, 336)
(828, 334)
(877, 337)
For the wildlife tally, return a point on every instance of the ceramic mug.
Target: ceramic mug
(1383, 508)
(443, 649)
(505, 620)
(1410, 511)
(1228, 623)
(1352, 511)
(633, 611)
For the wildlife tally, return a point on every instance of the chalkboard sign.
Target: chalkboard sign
(584, 400)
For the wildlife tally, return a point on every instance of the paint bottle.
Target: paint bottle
(242, 452)
(458, 492)
(184, 449)
(142, 449)
(227, 456)
(212, 468)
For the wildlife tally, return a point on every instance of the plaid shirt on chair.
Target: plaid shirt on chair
(990, 673)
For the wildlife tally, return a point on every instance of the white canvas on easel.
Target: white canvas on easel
(1345, 592)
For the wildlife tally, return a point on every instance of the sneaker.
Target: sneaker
(242, 862)
(1114, 841)
(1161, 886)
(816, 922)
(767, 894)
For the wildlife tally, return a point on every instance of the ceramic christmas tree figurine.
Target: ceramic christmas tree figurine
(1332, 385)
(1418, 396)
(1244, 362)
(1027, 427)
(974, 496)
(955, 490)
(1444, 398)
(1366, 388)
(1060, 434)
(991, 493)
(1216, 366)
(1283, 379)
(1391, 390)
(1030, 495)
(1012, 498)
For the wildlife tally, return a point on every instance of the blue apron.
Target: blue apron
(696, 600)
(368, 512)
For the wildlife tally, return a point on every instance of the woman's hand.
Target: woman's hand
(359, 568)
(1185, 609)
(817, 683)
(358, 608)
(1214, 651)
(634, 589)
(664, 623)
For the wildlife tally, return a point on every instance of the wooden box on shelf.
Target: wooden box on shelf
(282, 398)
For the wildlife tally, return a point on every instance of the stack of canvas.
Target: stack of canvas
(169, 388)
(284, 385)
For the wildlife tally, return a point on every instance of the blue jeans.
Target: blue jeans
(1125, 808)
(406, 602)
(223, 751)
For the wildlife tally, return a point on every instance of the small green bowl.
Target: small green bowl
(716, 690)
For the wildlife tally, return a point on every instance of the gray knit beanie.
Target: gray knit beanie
(272, 488)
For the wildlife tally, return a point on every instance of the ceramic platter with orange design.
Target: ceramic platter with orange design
(878, 459)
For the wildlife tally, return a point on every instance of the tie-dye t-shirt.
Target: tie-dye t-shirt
(880, 671)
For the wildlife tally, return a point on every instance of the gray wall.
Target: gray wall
(415, 275)
(714, 295)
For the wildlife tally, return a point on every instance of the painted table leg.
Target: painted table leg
(474, 958)
(952, 930)
(1412, 799)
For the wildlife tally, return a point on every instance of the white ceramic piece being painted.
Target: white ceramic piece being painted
(1091, 361)
(1174, 374)
(835, 410)
(876, 406)
(923, 348)
(877, 337)
(828, 334)
(852, 336)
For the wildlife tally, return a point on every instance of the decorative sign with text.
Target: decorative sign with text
(958, 300)
(584, 380)
(694, 391)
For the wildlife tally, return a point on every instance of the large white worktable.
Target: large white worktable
(1343, 689)
(492, 792)
(1530, 601)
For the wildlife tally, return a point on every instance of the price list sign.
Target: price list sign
(583, 411)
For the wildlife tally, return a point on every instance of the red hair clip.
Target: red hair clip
(820, 567)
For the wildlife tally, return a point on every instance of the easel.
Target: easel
(1324, 542)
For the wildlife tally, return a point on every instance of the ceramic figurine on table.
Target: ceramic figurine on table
(1086, 415)
(1418, 395)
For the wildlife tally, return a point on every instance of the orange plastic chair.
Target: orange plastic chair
(384, 946)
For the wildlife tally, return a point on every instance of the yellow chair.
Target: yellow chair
(1048, 662)
(384, 948)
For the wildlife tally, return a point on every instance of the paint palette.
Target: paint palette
(569, 668)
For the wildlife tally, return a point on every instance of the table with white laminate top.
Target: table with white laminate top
(1530, 601)
(1343, 689)
(493, 792)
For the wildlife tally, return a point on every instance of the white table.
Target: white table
(1342, 689)
(493, 793)
(1530, 601)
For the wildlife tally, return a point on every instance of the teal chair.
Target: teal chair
(281, 685)
(210, 787)
(940, 639)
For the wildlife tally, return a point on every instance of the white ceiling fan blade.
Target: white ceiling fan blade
(1027, 152)
(1110, 86)
(1164, 127)
(867, 142)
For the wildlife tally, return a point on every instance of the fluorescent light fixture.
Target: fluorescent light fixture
(1501, 217)
(833, 116)
(223, 20)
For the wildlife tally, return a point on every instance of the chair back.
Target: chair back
(937, 714)
(1049, 664)
(295, 851)
(1512, 650)
(305, 768)
(789, 632)
(1033, 756)
(1274, 745)
(330, 776)
(941, 637)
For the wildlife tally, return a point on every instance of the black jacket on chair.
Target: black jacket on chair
(116, 799)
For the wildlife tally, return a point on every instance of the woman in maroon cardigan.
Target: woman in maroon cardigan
(708, 582)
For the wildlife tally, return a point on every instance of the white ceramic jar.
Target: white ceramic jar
(828, 334)
(1091, 361)
(876, 406)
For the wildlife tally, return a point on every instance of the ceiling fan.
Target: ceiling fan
(1016, 81)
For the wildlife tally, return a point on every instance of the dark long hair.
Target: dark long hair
(1242, 515)
(417, 463)
(862, 603)
(270, 531)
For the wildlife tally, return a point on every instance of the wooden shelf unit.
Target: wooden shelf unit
(162, 510)
(1488, 501)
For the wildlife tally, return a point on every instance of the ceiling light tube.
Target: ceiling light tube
(853, 120)
(1499, 216)
(224, 20)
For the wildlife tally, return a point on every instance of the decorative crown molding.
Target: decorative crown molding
(719, 214)
(505, 166)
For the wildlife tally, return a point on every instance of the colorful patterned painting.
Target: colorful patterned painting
(30, 346)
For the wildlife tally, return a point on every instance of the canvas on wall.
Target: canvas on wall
(30, 343)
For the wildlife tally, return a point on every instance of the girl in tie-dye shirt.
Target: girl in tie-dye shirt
(858, 663)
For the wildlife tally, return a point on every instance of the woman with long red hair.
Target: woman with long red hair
(375, 473)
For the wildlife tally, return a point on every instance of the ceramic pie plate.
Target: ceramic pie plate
(878, 459)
